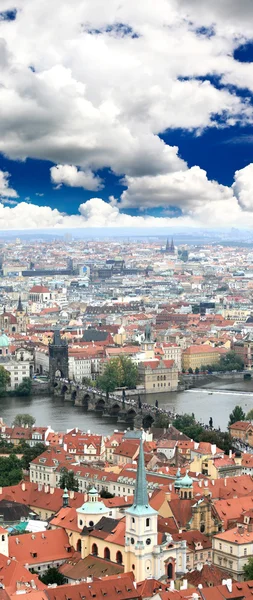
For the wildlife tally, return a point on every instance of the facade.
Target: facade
(200, 355)
(39, 294)
(58, 357)
(158, 376)
(232, 549)
(18, 370)
(242, 430)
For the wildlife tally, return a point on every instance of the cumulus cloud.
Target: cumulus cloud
(84, 90)
(69, 175)
(243, 187)
(6, 192)
(187, 190)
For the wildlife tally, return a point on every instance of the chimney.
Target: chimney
(230, 453)
(225, 482)
(71, 494)
(51, 489)
(229, 585)
(46, 488)
(23, 486)
(172, 585)
(39, 487)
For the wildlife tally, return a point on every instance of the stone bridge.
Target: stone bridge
(132, 412)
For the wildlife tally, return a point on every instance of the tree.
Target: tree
(190, 371)
(10, 470)
(23, 419)
(188, 425)
(222, 439)
(196, 371)
(4, 379)
(119, 372)
(105, 494)
(30, 453)
(87, 381)
(161, 421)
(229, 362)
(68, 480)
(52, 575)
(249, 416)
(248, 569)
(129, 371)
(24, 388)
(236, 415)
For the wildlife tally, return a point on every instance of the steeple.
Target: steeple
(172, 247)
(140, 492)
(167, 247)
(20, 306)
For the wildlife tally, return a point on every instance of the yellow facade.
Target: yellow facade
(193, 360)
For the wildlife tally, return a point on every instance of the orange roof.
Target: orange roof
(33, 548)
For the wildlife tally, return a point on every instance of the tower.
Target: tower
(167, 247)
(141, 529)
(22, 317)
(58, 357)
(172, 247)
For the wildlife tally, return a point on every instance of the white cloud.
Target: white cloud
(70, 176)
(100, 99)
(187, 190)
(243, 187)
(6, 192)
(223, 212)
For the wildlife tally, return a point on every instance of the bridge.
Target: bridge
(131, 411)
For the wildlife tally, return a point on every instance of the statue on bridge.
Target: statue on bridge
(148, 333)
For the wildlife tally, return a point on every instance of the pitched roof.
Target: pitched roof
(33, 548)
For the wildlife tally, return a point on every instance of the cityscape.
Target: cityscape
(126, 300)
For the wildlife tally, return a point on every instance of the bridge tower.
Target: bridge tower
(58, 357)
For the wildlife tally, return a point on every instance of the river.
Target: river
(204, 403)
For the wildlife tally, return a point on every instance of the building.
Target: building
(199, 355)
(158, 376)
(39, 294)
(14, 323)
(232, 549)
(242, 430)
(18, 370)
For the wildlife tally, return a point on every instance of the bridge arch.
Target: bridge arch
(100, 405)
(85, 402)
(131, 414)
(115, 409)
(148, 421)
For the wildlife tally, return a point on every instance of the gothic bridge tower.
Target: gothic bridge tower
(58, 357)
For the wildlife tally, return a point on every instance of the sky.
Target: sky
(125, 114)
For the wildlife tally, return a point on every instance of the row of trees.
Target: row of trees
(119, 372)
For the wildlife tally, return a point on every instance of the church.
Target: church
(14, 323)
(132, 542)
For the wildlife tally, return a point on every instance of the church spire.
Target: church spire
(20, 305)
(140, 493)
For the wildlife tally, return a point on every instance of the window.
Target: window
(119, 558)
(231, 550)
(147, 522)
(132, 540)
(107, 553)
(3, 538)
(94, 550)
(245, 551)
(220, 546)
(148, 542)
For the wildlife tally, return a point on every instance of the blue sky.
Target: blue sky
(95, 102)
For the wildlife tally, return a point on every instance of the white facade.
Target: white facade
(18, 372)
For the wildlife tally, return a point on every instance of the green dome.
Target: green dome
(186, 481)
(4, 341)
(177, 482)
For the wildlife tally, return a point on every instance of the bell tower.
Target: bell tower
(22, 317)
(141, 528)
